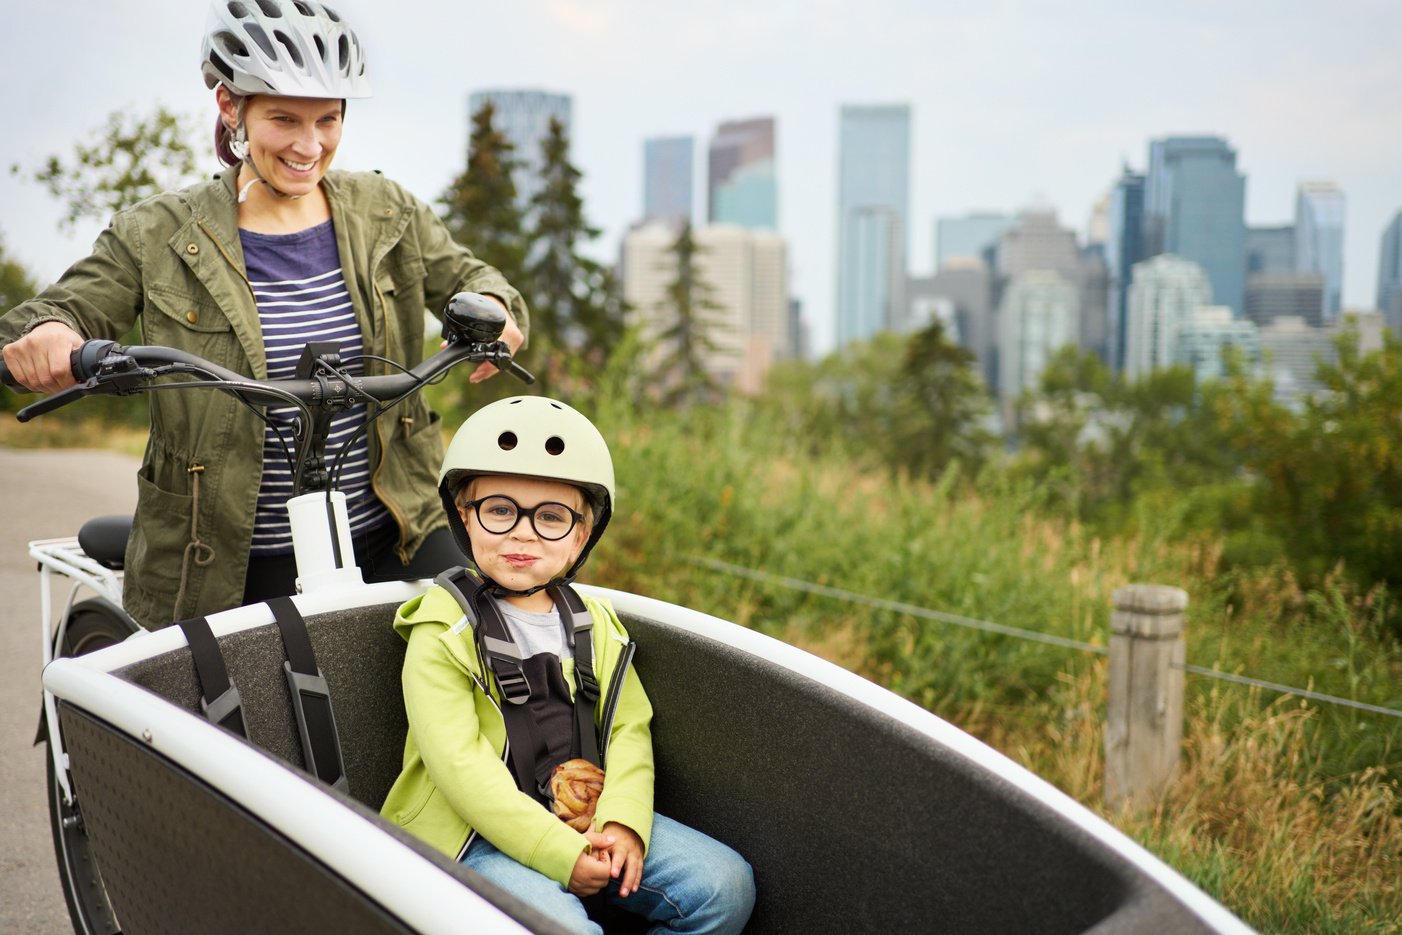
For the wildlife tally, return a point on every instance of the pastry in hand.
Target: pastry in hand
(574, 791)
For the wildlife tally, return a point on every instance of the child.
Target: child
(505, 658)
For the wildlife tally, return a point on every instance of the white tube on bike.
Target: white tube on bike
(312, 543)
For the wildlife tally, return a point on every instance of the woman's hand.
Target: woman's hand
(591, 868)
(41, 360)
(626, 857)
(511, 334)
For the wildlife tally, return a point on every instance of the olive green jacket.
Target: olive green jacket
(175, 264)
(455, 783)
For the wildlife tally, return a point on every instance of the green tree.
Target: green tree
(576, 305)
(16, 285)
(688, 337)
(1331, 475)
(131, 158)
(941, 408)
(479, 205)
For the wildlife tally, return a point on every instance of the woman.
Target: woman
(244, 270)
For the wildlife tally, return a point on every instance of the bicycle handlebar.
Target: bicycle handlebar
(472, 325)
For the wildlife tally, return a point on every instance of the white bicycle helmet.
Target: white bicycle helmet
(291, 48)
(530, 436)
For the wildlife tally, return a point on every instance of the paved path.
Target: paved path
(43, 495)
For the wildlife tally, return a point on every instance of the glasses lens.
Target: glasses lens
(553, 520)
(497, 514)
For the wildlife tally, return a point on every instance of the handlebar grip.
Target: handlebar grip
(8, 379)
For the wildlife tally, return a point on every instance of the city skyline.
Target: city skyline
(1049, 119)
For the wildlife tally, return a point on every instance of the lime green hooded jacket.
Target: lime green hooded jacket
(174, 264)
(455, 782)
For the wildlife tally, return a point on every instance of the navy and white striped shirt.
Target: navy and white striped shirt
(301, 295)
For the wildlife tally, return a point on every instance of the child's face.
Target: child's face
(521, 558)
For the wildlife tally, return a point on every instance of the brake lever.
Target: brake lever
(56, 401)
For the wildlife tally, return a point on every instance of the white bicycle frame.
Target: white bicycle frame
(312, 546)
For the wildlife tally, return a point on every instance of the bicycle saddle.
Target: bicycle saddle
(104, 539)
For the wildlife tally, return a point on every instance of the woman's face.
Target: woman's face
(292, 140)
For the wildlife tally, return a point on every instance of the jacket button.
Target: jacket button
(192, 316)
(192, 249)
(389, 212)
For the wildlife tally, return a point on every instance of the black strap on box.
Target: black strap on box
(311, 697)
(219, 696)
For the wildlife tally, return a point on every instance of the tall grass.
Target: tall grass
(1286, 812)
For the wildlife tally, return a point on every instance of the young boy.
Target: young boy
(509, 675)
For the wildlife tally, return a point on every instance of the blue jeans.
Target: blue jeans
(691, 883)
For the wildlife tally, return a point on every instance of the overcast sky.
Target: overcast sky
(1012, 102)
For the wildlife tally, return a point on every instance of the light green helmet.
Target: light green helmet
(530, 436)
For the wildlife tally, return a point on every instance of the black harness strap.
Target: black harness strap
(311, 697)
(503, 658)
(579, 630)
(219, 696)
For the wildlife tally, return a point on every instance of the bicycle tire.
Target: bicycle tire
(92, 625)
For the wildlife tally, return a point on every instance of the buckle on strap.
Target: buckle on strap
(504, 657)
(224, 708)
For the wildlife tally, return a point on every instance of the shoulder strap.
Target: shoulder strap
(219, 697)
(311, 697)
(579, 630)
(500, 654)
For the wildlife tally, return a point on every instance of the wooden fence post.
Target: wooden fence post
(1144, 724)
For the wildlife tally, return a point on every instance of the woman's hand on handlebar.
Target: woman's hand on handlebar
(511, 334)
(42, 359)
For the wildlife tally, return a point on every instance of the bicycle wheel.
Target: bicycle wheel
(92, 625)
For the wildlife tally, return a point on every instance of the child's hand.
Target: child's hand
(626, 855)
(591, 868)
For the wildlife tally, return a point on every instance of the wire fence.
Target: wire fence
(924, 613)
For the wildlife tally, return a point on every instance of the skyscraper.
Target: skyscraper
(1390, 274)
(1203, 340)
(1270, 249)
(1036, 318)
(968, 236)
(667, 174)
(1163, 293)
(1124, 247)
(747, 273)
(873, 207)
(1319, 239)
(740, 170)
(1270, 296)
(1194, 203)
(523, 117)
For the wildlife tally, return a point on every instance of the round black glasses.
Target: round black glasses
(499, 514)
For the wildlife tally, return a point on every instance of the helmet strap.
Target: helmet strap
(238, 145)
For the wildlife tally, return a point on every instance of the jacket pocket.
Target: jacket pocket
(158, 537)
(188, 312)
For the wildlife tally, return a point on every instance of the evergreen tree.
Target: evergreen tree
(575, 301)
(688, 337)
(941, 406)
(479, 206)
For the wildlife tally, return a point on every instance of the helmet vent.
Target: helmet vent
(231, 44)
(237, 10)
(343, 50)
(506, 441)
(270, 8)
(260, 37)
(320, 48)
(218, 63)
(331, 14)
(555, 445)
(303, 8)
(289, 45)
